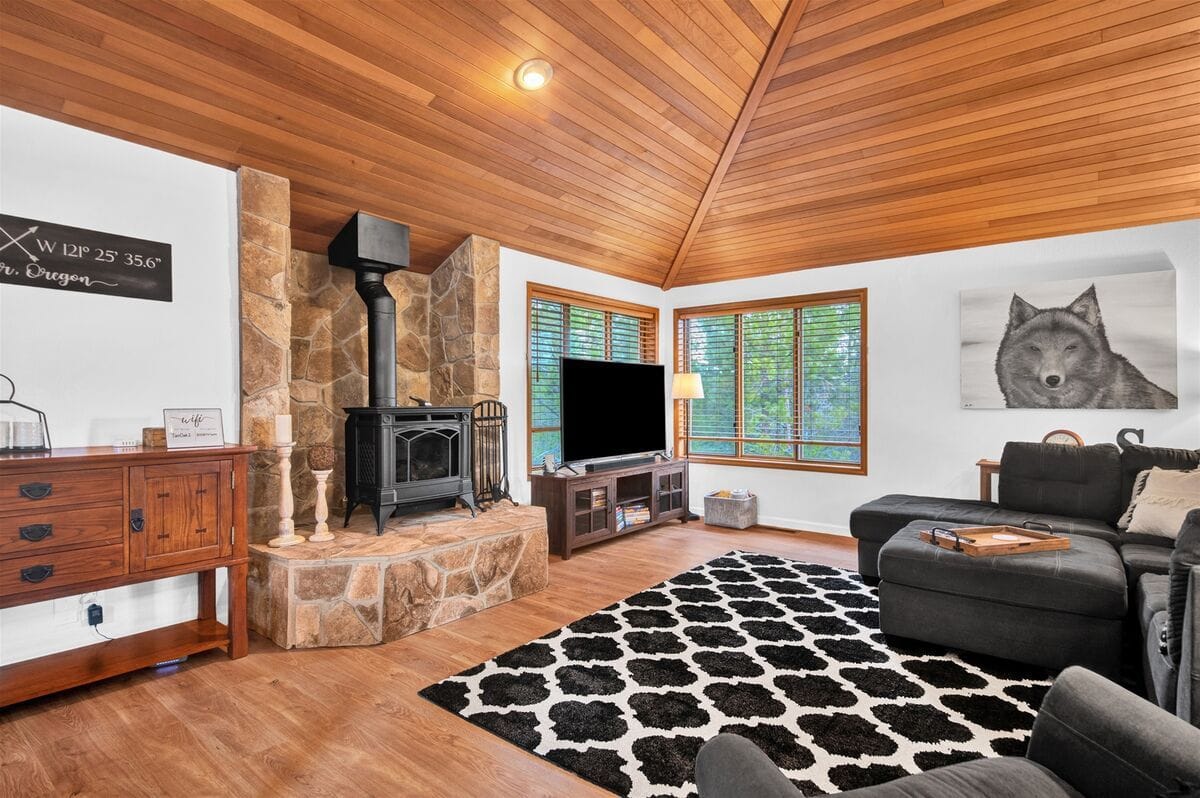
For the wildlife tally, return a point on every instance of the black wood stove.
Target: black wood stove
(396, 457)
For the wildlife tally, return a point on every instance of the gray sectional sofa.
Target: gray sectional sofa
(1107, 582)
(1077, 490)
(1091, 738)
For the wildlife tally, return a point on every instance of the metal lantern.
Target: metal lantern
(22, 428)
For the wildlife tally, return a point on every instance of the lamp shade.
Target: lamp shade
(687, 385)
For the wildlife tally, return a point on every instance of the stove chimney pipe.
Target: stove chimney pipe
(373, 247)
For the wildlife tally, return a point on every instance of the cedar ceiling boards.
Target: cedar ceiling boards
(895, 128)
(889, 127)
(406, 108)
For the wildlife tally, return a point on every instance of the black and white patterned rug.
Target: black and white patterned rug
(785, 653)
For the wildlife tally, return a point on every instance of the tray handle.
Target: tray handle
(933, 535)
(1038, 526)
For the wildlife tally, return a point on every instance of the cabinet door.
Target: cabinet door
(187, 511)
(591, 505)
(671, 492)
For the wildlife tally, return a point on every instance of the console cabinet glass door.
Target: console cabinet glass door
(186, 511)
(670, 491)
(591, 505)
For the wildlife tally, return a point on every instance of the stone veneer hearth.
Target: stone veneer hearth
(425, 570)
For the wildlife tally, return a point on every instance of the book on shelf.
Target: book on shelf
(599, 499)
(620, 512)
(637, 513)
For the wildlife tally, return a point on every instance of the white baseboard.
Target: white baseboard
(793, 524)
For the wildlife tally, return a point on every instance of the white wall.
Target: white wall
(104, 367)
(517, 270)
(920, 440)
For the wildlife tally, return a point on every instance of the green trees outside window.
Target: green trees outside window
(781, 384)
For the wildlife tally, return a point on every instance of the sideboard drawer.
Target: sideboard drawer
(37, 489)
(60, 569)
(38, 530)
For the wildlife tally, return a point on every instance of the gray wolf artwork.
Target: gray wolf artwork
(1108, 341)
(1060, 357)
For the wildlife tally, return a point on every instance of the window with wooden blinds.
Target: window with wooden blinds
(784, 382)
(568, 324)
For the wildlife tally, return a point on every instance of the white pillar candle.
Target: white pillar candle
(283, 429)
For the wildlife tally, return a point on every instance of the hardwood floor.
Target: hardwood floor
(346, 720)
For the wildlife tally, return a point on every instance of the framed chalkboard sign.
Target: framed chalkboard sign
(55, 256)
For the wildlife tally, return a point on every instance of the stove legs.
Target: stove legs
(349, 509)
(382, 514)
(468, 501)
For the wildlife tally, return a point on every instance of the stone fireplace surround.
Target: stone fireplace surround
(304, 352)
(304, 348)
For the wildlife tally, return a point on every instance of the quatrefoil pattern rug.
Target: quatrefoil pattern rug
(785, 653)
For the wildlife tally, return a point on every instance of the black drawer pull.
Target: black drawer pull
(201, 530)
(201, 491)
(36, 490)
(37, 573)
(164, 495)
(137, 520)
(35, 532)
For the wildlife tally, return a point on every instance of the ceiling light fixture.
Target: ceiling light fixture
(533, 74)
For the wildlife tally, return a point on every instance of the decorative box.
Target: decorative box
(735, 513)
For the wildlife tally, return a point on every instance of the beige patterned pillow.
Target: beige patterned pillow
(1139, 485)
(1166, 499)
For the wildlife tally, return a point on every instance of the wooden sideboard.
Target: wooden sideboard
(582, 509)
(74, 521)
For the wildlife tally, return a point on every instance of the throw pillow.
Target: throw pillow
(1165, 502)
(1139, 484)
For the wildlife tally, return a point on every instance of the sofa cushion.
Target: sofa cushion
(1003, 777)
(1072, 481)
(878, 520)
(1162, 676)
(1185, 557)
(1086, 579)
(1139, 484)
(1142, 559)
(1136, 458)
(1152, 592)
(1165, 502)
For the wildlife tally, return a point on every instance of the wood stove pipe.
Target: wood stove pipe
(373, 247)
(381, 337)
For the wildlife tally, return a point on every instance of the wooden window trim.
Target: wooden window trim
(778, 303)
(565, 296)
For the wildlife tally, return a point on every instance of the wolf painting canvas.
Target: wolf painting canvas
(1105, 343)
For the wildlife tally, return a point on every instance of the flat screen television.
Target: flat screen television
(612, 409)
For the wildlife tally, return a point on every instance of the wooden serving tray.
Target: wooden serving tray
(994, 541)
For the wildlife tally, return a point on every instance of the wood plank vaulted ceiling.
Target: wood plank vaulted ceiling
(680, 142)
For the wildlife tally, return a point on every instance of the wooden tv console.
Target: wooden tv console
(582, 509)
(74, 521)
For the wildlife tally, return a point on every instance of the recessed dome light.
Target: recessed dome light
(533, 74)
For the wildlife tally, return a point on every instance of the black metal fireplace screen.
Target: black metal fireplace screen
(427, 454)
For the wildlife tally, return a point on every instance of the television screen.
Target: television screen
(611, 409)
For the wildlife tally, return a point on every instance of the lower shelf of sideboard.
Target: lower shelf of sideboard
(22, 681)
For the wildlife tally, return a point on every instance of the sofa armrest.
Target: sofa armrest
(1187, 694)
(1104, 740)
(729, 766)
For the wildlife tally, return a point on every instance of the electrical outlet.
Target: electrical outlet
(95, 615)
(126, 443)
